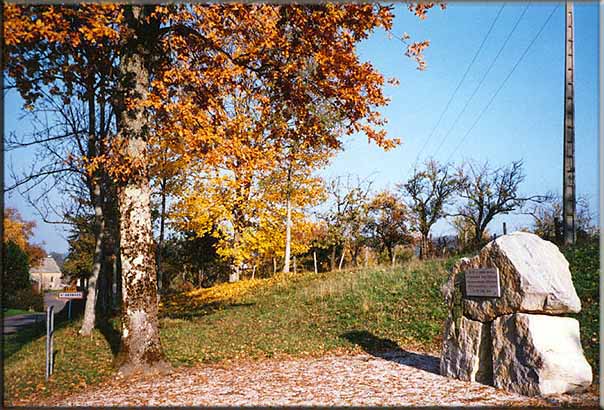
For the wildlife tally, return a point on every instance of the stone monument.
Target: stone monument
(504, 326)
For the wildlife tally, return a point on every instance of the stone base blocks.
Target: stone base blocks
(467, 351)
(538, 355)
(516, 342)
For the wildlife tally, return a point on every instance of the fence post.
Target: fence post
(505, 229)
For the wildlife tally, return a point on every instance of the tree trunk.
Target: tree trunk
(333, 259)
(314, 256)
(101, 299)
(236, 265)
(288, 228)
(366, 257)
(94, 185)
(234, 275)
(117, 275)
(140, 328)
(478, 234)
(342, 258)
(274, 266)
(99, 228)
(295, 271)
(160, 243)
(423, 250)
(141, 349)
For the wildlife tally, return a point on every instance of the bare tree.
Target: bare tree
(73, 116)
(348, 198)
(429, 190)
(547, 218)
(488, 192)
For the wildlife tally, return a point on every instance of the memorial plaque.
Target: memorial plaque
(483, 282)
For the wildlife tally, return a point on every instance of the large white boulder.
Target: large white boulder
(467, 350)
(534, 278)
(538, 355)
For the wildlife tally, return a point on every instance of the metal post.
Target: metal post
(47, 363)
(50, 325)
(69, 309)
(568, 188)
(505, 229)
(52, 340)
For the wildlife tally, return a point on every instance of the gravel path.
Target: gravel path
(396, 379)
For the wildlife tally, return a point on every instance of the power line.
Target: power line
(507, 39)
(504, 81)
(442, 114)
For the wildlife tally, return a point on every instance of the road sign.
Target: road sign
(71, 295)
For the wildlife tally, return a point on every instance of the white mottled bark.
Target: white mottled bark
(140, 327)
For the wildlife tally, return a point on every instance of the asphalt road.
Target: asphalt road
(15, 323)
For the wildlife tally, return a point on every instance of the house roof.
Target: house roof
(48, 265)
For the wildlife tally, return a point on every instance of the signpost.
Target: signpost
(50, 331)
(70, 296)
(483, 282)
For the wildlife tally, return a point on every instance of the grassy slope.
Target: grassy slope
(310, 315)
(302, 315)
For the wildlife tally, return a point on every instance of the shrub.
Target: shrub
(26, 299)
(16, 269)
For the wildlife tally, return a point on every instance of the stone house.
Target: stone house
(47, 275)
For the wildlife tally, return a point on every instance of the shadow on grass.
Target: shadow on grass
(110, 333)
(390, 350)
(15, 341)
(203, 310)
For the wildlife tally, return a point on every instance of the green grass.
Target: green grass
(303, 315)
(584, 260)
(371, 310)
(15, 312)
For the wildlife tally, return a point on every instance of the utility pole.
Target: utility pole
(568, 208)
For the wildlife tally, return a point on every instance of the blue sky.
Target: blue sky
(524, 121)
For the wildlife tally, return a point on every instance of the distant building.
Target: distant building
(47, 274)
